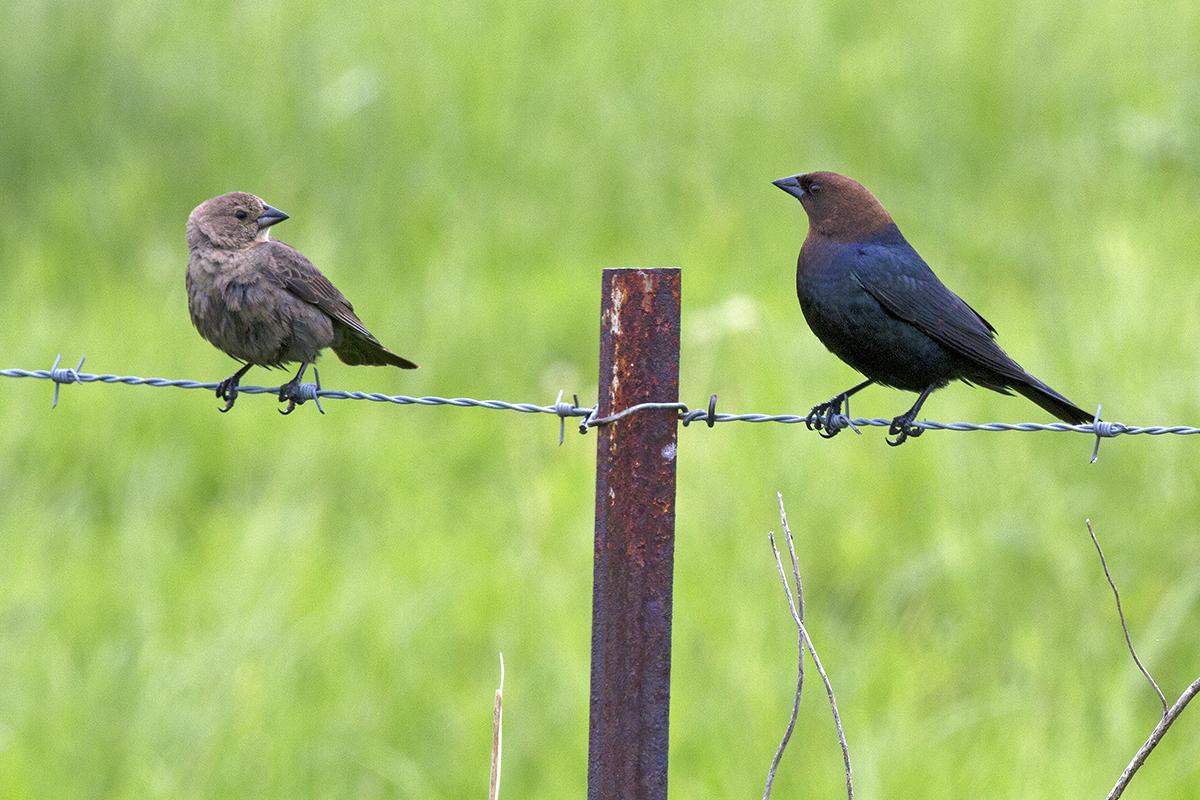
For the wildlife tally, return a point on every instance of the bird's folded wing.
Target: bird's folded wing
(302, 279)
(908, 289)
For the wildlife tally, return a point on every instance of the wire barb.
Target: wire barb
(305, 392)
(61, 376)
(1104, 430)
(564, 410)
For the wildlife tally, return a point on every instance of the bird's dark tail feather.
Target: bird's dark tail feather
(355, 350)
(1054, 402)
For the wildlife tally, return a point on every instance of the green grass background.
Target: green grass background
(196, 604)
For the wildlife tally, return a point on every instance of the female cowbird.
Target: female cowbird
(877, 305)
(264, 303)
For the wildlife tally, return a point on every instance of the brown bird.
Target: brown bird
(875, 303)
(262, 302)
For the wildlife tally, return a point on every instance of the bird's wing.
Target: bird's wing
(901, 282)
(301, 278)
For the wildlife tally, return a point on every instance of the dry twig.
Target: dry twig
(797, 607)
(494, 784)
(1169, 714)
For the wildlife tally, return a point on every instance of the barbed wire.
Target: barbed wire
(1101, 429)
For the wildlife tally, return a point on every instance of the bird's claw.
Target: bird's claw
(822, 417)
(902, 428)
(290, 392)
(297, 393)
(227, 391)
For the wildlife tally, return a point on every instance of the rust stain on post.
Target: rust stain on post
(635, 536)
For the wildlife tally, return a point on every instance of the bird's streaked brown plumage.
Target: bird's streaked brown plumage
(875, 303)
(262, 302)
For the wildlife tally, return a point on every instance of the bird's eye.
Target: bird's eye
(814, 188)
(240, 214)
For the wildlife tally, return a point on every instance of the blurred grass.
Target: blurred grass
(201, 605)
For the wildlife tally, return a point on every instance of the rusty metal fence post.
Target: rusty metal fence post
(635, 536)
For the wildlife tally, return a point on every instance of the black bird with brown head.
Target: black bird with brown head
(875, 304)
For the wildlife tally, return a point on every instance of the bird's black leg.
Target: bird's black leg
(290, 391)
(227, 389)
(820, 419)
(901, 426)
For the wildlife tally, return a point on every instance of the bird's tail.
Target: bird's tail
(1053, 402)
(355, 350)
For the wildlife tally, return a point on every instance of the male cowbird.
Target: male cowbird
(877, 305)
(264, 303)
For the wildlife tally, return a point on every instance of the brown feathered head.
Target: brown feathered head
(838, 207)
(231, 221)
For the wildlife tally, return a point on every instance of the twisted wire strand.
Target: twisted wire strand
(563, 409)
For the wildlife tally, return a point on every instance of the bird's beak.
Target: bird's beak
(269, 217)
(791, 185)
